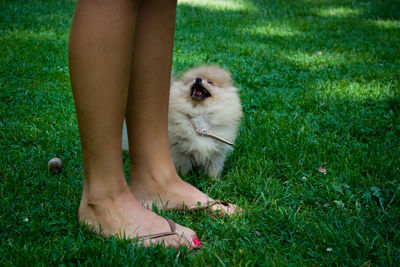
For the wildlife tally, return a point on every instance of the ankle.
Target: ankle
(97, 198)
(159, 177)
(97, 193)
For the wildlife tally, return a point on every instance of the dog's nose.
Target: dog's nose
(198, 80)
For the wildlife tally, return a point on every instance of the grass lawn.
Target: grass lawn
(319, 82)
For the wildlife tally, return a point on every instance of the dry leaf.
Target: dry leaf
(321, 168)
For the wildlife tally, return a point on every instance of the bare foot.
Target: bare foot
(123, 216)
(168, 191)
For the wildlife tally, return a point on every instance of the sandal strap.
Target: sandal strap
(172, 225)
(208, 204)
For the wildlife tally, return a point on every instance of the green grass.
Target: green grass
(319, 82)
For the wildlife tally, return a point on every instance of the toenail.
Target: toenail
(196, 242)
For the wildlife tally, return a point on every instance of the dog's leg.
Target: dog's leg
(215, 166)
(214, 171)
(182, 162)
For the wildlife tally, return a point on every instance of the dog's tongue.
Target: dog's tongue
(197, 92)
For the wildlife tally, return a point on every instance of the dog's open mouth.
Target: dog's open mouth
(198, 91)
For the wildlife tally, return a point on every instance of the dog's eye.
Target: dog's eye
(210, 83)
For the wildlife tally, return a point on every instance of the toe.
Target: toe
(174, 241)
(188, 237)
(224, 208)
(184, 237)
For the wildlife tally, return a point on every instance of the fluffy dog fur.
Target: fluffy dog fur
(203, 98)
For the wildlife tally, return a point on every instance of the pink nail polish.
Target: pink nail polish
(196, 242)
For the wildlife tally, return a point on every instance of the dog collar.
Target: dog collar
(203, 132)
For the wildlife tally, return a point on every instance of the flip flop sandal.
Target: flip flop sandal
(207, 206)
(173, 231)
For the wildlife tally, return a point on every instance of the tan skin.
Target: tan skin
(120, 56)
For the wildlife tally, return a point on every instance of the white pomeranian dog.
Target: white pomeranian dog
(203, 119)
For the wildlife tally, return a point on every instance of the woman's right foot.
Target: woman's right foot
(124, 217)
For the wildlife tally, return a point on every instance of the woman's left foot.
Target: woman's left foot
(168, 191)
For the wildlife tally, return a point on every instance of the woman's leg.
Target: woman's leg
(153, 176)
(100, 52)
